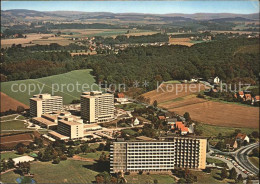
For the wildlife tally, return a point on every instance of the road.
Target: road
(241, 157)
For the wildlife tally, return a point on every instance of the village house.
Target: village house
(231, 144)
(242, 138)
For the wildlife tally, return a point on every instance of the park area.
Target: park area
(64, 85)
(181, 98)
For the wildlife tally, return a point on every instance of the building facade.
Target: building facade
(97, 107)
(158, 156)
(45, 103)
(71, 129)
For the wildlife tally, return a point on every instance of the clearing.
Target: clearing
(65, 85)
(181, 98)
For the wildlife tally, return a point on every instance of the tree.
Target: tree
(21, 150)
(223, 174)
(155, 103)
(155, 181)
(4, 165)
(239, 179)
(255, 134)
(84, 148)
(56, 160)
(10, 163)
(233, 173)
(187, 116)
(71, 151)
(20, 109)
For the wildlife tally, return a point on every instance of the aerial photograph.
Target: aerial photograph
(138, 92)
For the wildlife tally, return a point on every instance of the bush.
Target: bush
(56, 161)
(140, 172)
(127, 173)
(63, 157)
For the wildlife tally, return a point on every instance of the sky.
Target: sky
(153, 7)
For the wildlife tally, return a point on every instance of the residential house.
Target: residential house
(136, 122)
(247, 97)
(255, 99)
(231, 144)
(171, 121)
(162, 118)
(216, 80)
(242, 137)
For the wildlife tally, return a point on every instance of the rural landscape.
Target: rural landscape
(106, 95)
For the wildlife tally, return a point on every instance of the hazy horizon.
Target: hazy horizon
(142, 7)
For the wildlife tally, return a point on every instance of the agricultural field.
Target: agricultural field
(8, 103)
(213, 130)
(179, 99)
(68, 171)
(10, 141)
(61, 85)
(80, 33)
(33, 39)
(181, 41)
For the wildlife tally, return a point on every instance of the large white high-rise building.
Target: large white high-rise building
(97, 107)
(158, 156)
(45, 103)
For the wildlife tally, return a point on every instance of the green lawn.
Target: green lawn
(255, 161)
(130, 106)
(95, 155)
(69, 171)
(13, 125)
(212, 160)
(211, 130)
(144, 178)
(213, 177)
(129, 132)
(9, 177)
(8, 155)
(173, 82)
(74, 79)
(10, 117)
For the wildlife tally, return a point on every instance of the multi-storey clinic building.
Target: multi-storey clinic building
(97, 107)
(158, 156)
(73, 130)
(44, 103)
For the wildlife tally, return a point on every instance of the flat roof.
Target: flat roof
(45, 121)
(69, 122)
(60, 136)
(92, 126)
(145, 138)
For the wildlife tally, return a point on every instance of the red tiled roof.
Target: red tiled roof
(257, 97)
(184, 129)
(161, 117)
(241, 136)
(121, 95)
(248, 96)
(241, 93)
(179, 124)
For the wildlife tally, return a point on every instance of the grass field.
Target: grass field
(140, 179)
(8, 155)
(255, 161)
(213, 177)
(69, 171)
(52, 83)
(130, 106)
(212, 130)
(95, 155)
(212, 160)
(13, 125)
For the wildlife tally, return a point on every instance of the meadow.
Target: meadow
(61, 85)
(69, 171)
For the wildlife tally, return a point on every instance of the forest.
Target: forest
(228, 59)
